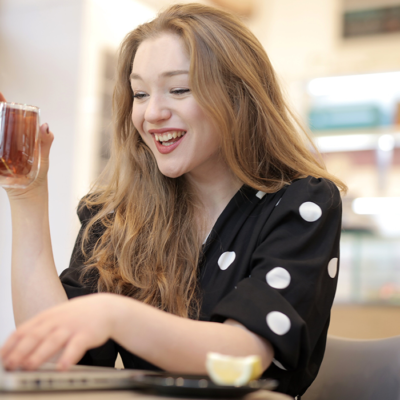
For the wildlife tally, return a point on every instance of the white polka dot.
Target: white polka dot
(278, 322)
(310, 211)
(260, 194)
(226, 259)
(278, 364)
(332, 267)
(278, 278)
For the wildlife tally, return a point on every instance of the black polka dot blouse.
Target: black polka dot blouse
(271, 263)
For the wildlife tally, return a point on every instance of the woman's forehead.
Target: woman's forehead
(166, 52)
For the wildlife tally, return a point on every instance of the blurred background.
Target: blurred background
(339, 65)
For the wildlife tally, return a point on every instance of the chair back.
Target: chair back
(358, 370)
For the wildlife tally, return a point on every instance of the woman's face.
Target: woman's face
(180, 134)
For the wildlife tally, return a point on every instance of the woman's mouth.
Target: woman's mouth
(167, 142)
(169, 138)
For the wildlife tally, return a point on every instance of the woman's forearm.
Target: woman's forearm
(35, 282)
(179, 344)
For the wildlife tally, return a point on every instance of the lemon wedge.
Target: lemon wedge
(233, 371)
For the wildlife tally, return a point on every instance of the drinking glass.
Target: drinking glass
(19, 144)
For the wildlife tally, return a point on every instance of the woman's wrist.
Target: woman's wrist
(35, 196)
(133, 323)
(116, 310)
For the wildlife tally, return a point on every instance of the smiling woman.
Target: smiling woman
(213, 227)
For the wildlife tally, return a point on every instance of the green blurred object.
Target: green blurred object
(345, 117)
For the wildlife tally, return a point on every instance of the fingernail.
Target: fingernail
(47, 128)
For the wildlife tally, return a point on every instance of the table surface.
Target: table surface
(121, 395)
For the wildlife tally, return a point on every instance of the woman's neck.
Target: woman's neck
(215, 187)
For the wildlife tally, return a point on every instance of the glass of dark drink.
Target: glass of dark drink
(19, 144)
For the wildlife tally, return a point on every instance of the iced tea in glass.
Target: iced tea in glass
(19, 144)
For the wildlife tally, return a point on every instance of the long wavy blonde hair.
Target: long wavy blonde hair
(151, 246)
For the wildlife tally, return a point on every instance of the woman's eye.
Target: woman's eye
(139, 95)
(180, 91)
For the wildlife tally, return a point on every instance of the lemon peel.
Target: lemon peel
(233, 371)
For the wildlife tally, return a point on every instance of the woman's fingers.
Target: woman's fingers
(20, 352)
(2, 98)
(46, 140)
(32, 348)
(8, 347)
(22, 343)
(48, 347)
(46, 137)
(74, 350)
(13, 340)
(29, 332)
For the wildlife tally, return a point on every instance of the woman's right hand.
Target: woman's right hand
(39, 186)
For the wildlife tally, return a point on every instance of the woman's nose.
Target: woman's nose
(157, 110)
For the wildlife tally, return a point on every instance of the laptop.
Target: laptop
(78, 377)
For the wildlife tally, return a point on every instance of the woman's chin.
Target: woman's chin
(172, 173)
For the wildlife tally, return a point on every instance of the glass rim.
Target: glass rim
(20, 106)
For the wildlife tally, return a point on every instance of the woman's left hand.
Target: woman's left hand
(71, 328)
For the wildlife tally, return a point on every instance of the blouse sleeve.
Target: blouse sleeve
(74, 286)
(71, 278)
(289, 294)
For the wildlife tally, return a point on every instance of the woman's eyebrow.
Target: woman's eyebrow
(166, 74)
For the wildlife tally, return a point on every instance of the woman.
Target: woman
(216, 229)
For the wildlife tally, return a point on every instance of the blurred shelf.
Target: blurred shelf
(355, 139)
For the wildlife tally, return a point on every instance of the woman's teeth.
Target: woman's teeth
(166, 137)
